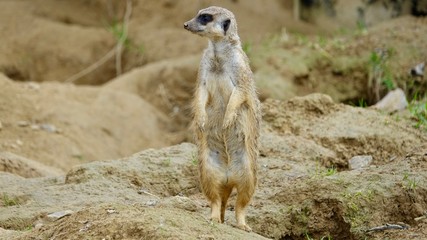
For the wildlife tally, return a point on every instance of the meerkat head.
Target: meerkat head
(216, 23)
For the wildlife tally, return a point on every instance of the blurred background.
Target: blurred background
(85, 80)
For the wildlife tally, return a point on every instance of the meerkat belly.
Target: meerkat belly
(220, 87)
(226, 146)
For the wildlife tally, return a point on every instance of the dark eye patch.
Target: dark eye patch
(204, 18)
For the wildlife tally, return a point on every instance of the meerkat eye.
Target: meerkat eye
(205, 18)
(226, 25)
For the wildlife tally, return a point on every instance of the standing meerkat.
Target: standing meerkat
(227, 115)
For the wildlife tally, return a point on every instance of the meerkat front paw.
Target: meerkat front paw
(200, 121)
(228, 120)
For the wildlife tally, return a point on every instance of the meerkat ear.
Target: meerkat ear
(226, 25)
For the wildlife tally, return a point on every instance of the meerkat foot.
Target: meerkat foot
(215, 220)
(216, 211)
(244, 227)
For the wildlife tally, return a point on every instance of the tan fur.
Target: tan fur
(226, 117)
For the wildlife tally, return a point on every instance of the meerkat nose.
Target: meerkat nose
(185, 25)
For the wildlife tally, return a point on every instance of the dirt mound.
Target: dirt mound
(155, 192)
(24, 167)
(364, 132)
(356, 67)
(168, 84)
(37, 49)
(53, 40)
(64, 125)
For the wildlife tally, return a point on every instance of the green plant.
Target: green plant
(119, 32)
(409, 183)
(356, 214)
(247, 48)
(362, 103)
(328, 237)
(166, 162)
(380, 75)
(361, 26)
(321, 171)
(322, 41)
(8, 201)
(331, 171)
(307, 236)
(194, 158)
(418, 110)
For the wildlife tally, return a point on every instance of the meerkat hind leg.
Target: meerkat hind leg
(224, 198)
(212, 184)
(216, 210)
(243, 197)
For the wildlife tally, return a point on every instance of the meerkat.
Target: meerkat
(227, 115)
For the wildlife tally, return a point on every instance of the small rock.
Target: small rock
(184, 203)
(206, 237)
(393, 101)
(58, 215)
(33, 85)
(418, 70)
(35, 127)
(85, 228)
(151, 203)
(48, 128)
(358, 162)
(23, 123)
(38, 225)
(19, 142)
(111, 211)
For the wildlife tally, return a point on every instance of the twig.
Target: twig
(297, 10)
(323, 51)
(148, 193)
(387, 226)
(117, 50)
(92, 67)
(123, 37)
(422, 217)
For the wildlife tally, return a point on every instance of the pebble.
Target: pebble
(35, 127)
(418, 70)
(151, 203)
(48, 128)
(393, 101)
(33, 85)
(38, 225)
(358, 162)
(23, 123)
(111, 211)
(58, 215)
